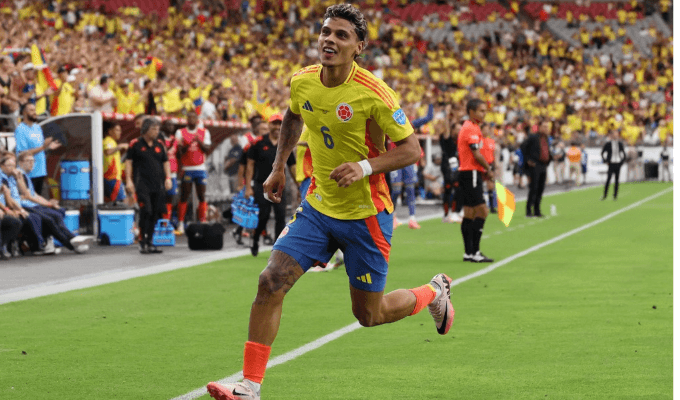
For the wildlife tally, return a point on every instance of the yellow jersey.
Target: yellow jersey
(112, 167)
(347, 123)
(303, 164)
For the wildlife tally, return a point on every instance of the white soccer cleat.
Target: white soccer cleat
(81, 248)
(456, 218)
(232, 391)
(180, 228)
(441, 308)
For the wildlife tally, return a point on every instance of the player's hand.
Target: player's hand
(274, 185)
(249, 192)
(168, 183)
(130, 188)
(531, 163)
(489, 175)
(54, 204)
(347, 173)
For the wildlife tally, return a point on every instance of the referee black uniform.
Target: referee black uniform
(263, 153)
(614, 155)
(148, 173)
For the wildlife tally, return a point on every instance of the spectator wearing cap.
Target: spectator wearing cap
(261, 156)
(28, 93)
(102, 97)
(29, 139)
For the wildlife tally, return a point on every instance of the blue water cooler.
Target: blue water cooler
(75, 180)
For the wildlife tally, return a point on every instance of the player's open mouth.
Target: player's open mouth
(328, 52)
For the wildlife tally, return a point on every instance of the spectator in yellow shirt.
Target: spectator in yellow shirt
(66, 96)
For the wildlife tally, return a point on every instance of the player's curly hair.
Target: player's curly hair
(352, 14)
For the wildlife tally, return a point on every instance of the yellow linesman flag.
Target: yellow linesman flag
(506, 204)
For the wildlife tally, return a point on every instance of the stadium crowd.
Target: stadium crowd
(232, 60)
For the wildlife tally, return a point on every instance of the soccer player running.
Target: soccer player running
(472, 166)
(193, 142)
(348, 112)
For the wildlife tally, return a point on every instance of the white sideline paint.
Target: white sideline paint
(112, 276)
(350, 328)
(103, 278)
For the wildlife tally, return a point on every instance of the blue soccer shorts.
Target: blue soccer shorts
(311, 236)
(173, 189)
(198, 177)
(304, 187)
(407, 175)
(114, 190)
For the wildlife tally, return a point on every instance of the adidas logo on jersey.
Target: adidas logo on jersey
(308, 106)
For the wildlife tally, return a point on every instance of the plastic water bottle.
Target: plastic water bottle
(553, 210)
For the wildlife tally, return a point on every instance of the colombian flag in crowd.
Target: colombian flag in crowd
(506, 204)
(44, 79)
(150, 67)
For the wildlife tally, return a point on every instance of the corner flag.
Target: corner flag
(506, 204)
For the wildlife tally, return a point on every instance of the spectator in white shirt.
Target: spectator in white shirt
(208, 109)
(102, 97)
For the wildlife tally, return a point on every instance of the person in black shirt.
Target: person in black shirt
(537, 156)
(449, 166)
(614, 155)
(261, 156)
(259, 129)
(147, 173)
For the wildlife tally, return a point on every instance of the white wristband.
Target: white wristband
(366, 168)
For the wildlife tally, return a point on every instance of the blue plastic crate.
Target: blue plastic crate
(72, 222)
(163, 234)
(245, 212)
(117, 226)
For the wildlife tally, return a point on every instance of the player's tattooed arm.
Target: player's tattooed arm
(280, 275)
(291, 129)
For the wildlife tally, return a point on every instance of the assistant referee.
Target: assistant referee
(472, 166)
(147, 172)
(261, 156)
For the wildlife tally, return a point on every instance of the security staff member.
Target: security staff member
(261, 156)
(147, 171)
(614, 155)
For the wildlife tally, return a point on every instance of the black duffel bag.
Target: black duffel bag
(205, 236)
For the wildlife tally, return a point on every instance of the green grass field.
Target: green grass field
(586, 317)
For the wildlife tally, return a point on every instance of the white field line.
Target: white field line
(352, 327)
(112, 276)
(103, 278)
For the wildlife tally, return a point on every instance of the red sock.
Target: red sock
(424, 296)
(168, 211)
(255, 357)
(202, 211)
(181, 211)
